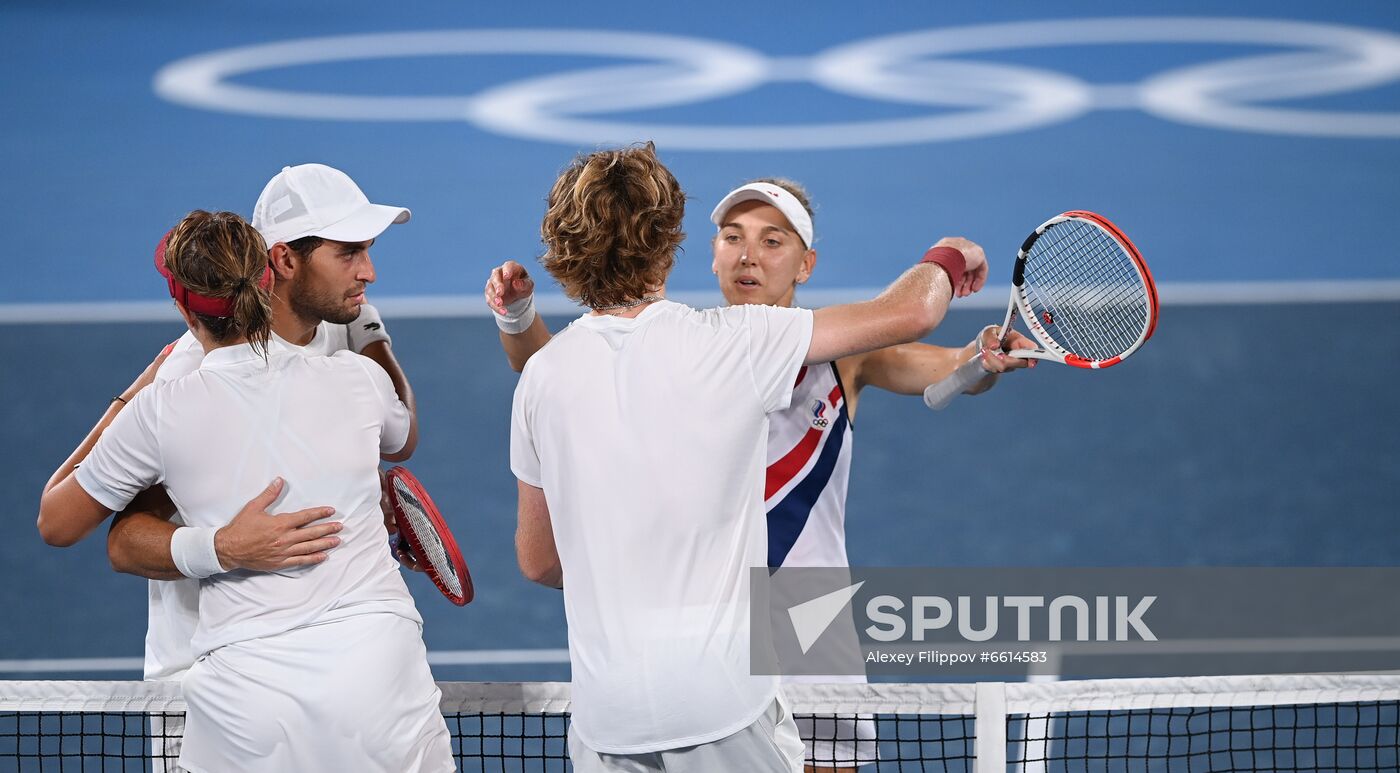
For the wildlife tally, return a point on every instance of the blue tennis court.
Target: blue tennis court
(1251, 154)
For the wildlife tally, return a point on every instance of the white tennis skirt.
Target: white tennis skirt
(349, 695)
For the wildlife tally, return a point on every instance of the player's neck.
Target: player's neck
(290, 326)
(208, 344)
(631, 308)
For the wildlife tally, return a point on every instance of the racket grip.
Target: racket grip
(938, 394)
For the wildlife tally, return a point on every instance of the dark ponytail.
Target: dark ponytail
(219, 255)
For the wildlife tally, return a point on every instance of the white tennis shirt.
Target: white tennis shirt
(649, 438)
(173, 605)
(218, 436)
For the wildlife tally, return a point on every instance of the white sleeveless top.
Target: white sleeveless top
(809, 464)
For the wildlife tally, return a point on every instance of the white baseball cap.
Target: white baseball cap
(316, 200)
(769, 193)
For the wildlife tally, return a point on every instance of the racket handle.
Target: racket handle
(938, 394)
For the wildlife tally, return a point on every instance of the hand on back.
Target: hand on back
(259, 540)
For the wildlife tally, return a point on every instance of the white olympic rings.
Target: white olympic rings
(968, 98)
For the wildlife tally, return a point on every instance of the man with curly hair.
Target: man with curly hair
(638, 439)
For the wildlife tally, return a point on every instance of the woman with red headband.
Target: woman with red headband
(319, 667)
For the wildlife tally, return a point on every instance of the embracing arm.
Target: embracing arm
(67, 513)
(534, 539)
(380, 352)
(908, 369)
(139, 541)
(84, 448)
(907, 310)
(368, 336)
(113, 408)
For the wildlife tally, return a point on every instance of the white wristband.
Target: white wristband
(192, 548)
(366, 329)
(518, 317)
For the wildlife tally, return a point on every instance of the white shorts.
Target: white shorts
(769, 745)
(349, 695)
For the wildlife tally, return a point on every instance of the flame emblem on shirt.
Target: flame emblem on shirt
(819, 414)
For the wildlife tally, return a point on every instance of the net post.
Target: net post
(991, 728)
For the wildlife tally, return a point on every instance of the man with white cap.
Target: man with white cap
(318, 227)
(762, 251)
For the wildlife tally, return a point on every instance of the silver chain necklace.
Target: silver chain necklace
(630, 304)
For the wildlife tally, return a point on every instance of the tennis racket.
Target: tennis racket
(1085, 294)
(424, 534)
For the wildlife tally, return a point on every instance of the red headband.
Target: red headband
(199, 304)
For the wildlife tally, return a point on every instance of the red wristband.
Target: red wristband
(952, 261)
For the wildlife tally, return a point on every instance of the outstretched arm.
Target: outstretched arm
(908, 369)
(510, 294)
(906, 311)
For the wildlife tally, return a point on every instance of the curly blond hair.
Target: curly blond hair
(613, 226)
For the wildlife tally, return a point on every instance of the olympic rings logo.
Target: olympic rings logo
(965, 98)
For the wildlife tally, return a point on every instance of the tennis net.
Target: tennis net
(1273, 723)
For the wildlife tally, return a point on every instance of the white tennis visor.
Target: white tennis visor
(772, 194)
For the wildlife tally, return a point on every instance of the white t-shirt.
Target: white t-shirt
(173, 605)
(218, 436)
(648, 437)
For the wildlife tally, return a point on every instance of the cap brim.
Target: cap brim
(365, 223)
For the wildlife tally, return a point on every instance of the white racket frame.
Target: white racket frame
(939, 394)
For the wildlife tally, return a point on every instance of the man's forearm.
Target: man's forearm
(520, 347)
(139, 543)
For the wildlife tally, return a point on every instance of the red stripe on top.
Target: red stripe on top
(781, 472)
(801, 374)
(786, 468)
